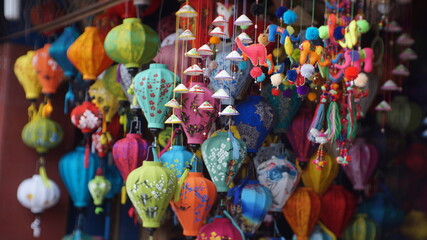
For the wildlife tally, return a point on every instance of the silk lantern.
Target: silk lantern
(302, 211)
(281, 177)
(414, 225)
(196, 199)
(88, 55)
(45, 12)
(58, 51)
(360, 228)
(165, 53)
(112, 84)
(415, 158)
(27, 76)
(255, 121)
(297, 135)
(219, 228)
(364, 158)
(405, 115)
(153, 89)
(104, 100)
(196, 122)
(338, 206)
(76, 176)
(150, 188)
(178, 158)
(48, 71)
(249, 203)
(132, 43)
(320, 180)
(105, 22)
(223, 155)
(320, 232)
(116, 180)
(98, 189)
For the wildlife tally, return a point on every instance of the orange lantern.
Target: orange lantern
(48, 71)
(88, 55)
(302, 211)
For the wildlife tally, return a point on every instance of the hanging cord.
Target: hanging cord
(312, 13)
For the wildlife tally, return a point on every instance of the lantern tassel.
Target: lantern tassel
(234, 223)
(182, 179)
(317, 122)
(36, 226)
(47, 108)
(42, 172)
(334, 121)
(235, 145)
(32, 112)
(352, 118)
(123, 195)
(124, 121)
(69, 97)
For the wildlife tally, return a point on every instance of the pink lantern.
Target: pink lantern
(219, 228)
(364, 158)
(297, 135)
(195, 121)
(166, 56)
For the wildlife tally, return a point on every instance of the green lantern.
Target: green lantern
(150, 188)
(360, 228)
(223, 154)
(132, 43)
(98, 187)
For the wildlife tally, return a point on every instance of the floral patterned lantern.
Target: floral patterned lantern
(178, 158)
(98, 188)
(196, 199)
(58, 51)
(320, 180)
(48, 71)
(27, 75)
(219, 228)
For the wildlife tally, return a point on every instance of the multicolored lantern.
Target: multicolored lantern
(58, 51)
(27, 76)
(88, 55)
(219, 228)
(361, 227)
(178, 158)
(223, 154)
(48, 71)
(281, 177)
(255, 121)
(196, 199)
(297, 135)
(98, 189)
(302, 211)
(320, 180)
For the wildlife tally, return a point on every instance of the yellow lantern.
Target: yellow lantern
(27, 75)
(319, 180)
(104, 100)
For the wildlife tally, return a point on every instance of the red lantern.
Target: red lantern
(105, 22)
(219, 228)
(48, 71)
(415, 159)
(297, 134)
(45, 12)
(338, 206)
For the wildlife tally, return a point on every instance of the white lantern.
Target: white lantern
(11, 9)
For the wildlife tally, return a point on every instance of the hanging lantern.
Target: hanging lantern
(45, 12)
(223, 154)
(178, 158)
(58, 51)
(415, 158)
(364, 158)
(219, 228)
(98, 189)
(249, 203)
(125, 80)
(338, 207)
(255, 121)
(102, 141)
(37, 195)
(360, 228)
(150, 188)
(76, 177)
(132, 43)
(105, 22)
(104, 100)
(113, 86)
(116, 180)
(27, 76)
(414, 225)
(78, 234)
(197, 122)
(281, 177)
(153, 89)
(320, 232)
(196, 199)
(48, 71)
(88, 55)
(320, 180)
(297, 135)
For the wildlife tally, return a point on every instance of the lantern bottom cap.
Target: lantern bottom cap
(150, 224)
(132, 65)
(193, 233)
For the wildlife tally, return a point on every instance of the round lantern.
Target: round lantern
(104, 100)
(297, 135)
(281, 177)
(219, 228)
(361, 227)
(116, 180)
(255, 121)
(76, 176)
(88, 55)
(98, 189)
(338, 207)
(58, 50)
(196, 199)
(150, 188)
(48, 71)
(320, 180)
(249, 202)
(320, 232)
(178, 158)
(27, 75)
(364, 158)
(302, 211)
(153, 89)
(223, 154)
(405, 115)
(111, 83)
(197, 122)
(132, 43)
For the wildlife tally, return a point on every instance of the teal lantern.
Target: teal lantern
(116, 180)
(178, 158)
(132, 43)
(153, 89)
(58, 50)
(361, 227)
(223, 155)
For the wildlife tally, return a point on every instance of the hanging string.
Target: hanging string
(244, 6)
(265, 14)
(312, 13)
(292, 3)
(256, 24)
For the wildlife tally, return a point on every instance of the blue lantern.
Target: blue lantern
(76, 177)
(113, 175)
(249, 203)
(177, 158)
(255, 121)
(58, 50)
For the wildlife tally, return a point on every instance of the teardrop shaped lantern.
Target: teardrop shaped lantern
(48, 71)
(297, 135)
(178, 158)
(255, 121)
(281, 177)
(302, 211)
(196, 122)
(361, 227)
(98, 189)
(76, 176)
(132, 43)
(223, 155)
(249, 202)
(58, 50)
(219, 228)
(150, 188)
(88, 55)
(153, 89)
(196, 199)
(27, 75)
(338, 206)
(320, 180)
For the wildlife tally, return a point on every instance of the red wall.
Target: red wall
(18, 162)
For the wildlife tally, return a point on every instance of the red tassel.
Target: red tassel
(87, 152)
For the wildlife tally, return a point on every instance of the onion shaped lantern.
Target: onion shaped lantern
(219, 228)
(58, 51)
(48, 71)
(178, 158)
(320, 180)
(99, 187)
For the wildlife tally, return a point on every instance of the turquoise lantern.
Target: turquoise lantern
(58, 50)
(178, 158)
(153, 89)
(76, 177)
(116, 180)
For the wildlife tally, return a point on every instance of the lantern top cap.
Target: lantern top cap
(158, 65)
(133, 135)
(151, 163)
(195, 174)
(131, 20)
